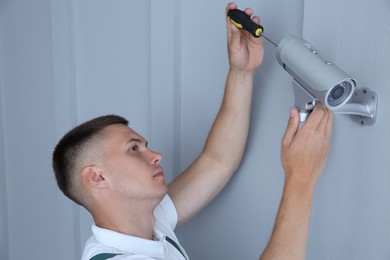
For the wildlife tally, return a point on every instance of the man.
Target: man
(108, 168)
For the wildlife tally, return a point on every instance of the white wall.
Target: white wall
(65, 61)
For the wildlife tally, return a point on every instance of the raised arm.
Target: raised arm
(304, 154)
(225, 145)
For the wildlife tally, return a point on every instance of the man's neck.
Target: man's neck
(132, 219)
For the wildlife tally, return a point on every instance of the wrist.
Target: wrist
(306, 176)
(297, 186)
(241, 76)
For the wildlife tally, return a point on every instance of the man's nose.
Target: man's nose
(156, 157)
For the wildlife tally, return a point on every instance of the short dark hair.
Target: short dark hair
(71, 146)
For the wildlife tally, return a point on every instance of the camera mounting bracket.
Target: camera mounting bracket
(362, 107)
(369, 99)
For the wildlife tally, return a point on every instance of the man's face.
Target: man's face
(132, 170)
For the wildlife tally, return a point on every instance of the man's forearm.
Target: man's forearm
(227, 138)
(289, 237)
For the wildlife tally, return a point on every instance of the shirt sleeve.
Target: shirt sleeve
(166, 210)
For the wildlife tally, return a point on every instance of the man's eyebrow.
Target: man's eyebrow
(137, 140)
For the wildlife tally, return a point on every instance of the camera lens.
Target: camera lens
(339, 93)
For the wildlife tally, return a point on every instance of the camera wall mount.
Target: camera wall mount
(362, 106)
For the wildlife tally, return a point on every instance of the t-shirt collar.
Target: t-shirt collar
(130, 244)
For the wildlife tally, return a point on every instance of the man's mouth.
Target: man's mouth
(159, 173)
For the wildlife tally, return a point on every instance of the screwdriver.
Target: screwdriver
(243, 21)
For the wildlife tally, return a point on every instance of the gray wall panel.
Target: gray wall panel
(28, 129)
(63, 62)
(352, 204)
(238, 223)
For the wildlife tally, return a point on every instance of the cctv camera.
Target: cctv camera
(315, 78)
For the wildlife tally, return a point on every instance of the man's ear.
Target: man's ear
(92, 176)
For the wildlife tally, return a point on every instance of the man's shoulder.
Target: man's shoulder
(166, 212)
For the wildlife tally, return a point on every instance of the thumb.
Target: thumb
(233, 35)
(292, 127)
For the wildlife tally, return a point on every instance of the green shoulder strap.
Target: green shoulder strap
(103, 256)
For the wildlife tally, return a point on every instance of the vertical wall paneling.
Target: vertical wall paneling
(112, 42)
(162, 84)
(177, 87)
(3, 197)
(113, 69)
(28, 113)
(3, 186)
(65, 116)
(351, 209)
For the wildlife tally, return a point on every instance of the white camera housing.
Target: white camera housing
(318, 79)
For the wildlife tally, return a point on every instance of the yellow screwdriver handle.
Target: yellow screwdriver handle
(243, 21)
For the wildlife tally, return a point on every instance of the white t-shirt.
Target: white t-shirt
(166, 245)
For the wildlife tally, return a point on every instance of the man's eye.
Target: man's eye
(134, 148)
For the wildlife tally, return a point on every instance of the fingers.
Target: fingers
(324, 120)
(321, 119)
(329, 125)
(292, 127)
(248, 11)
(256, 19)
(230, 6)
(315, 117)
(231, 28)
(233, 6)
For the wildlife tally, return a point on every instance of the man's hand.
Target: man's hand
(305, 151)
(245, 51)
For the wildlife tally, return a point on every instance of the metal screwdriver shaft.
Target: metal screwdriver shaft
(269, 40)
